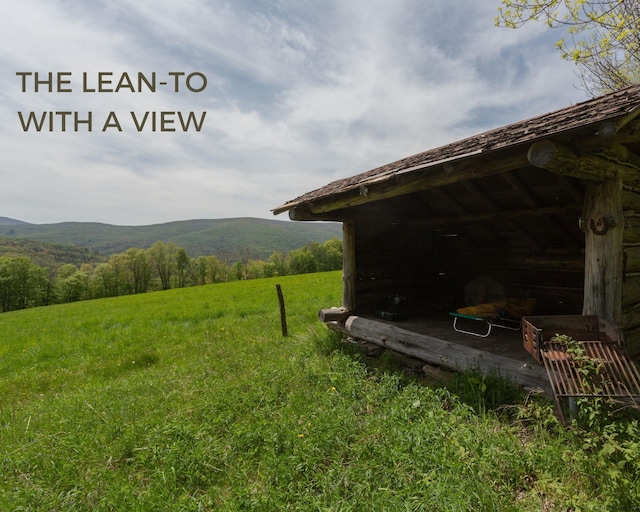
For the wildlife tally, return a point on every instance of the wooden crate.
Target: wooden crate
(538, 330)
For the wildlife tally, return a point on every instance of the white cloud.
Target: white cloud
(299, 94)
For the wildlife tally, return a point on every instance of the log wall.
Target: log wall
(432, 271)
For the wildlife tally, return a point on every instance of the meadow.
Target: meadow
(191, 399)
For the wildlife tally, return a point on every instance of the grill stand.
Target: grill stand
(615, 378)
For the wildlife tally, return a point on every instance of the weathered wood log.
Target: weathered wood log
(443, 353)
(552, 156)
(349, 265)
(608, 129)
(496, 215)
(630, 201)
(618, 153)
(569, 263)
(630, 291)
(603, 249)
(405, 181)
(632, 258)
(632, 343)
(631, 233)
(303, 213)
(593, 164)
(333, 314)
(630, 317)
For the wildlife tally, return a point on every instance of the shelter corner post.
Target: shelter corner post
(604, 257)
(349, 265)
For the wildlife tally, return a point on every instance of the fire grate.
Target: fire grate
(616, 377)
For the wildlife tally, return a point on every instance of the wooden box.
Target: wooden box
(536, 330)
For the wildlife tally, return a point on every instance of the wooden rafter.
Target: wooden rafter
(431, 176)
(506, 220)
(462, 211)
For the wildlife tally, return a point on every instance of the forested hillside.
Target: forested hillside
(47, 254)
(220, 237)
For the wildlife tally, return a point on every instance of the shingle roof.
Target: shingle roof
(591, 112)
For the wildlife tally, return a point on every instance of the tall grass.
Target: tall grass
(191, 399)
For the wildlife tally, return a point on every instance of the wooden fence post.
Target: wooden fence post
(283, 313)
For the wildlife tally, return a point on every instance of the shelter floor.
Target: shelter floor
(504, 342)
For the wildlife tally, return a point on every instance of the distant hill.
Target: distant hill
(6, 221)
(221, 237)
(47, 254)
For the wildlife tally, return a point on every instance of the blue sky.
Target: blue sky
(299, 93)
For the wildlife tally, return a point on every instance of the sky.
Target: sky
(284, 96)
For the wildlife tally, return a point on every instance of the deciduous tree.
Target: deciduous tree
(163, 258)
(139, 268)
(604, 36)
(72, 284)
(103, 280)
(22, 284)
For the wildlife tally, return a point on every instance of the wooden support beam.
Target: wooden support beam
(349, 265)
(594, 164)
(630, 201)
(631, 258)
(420, 178)
(489, 217)
(628, 162)
(608, 128)
(611, 128)
(443, 353)
(552, 156)
(604, 257)
(303, 213)
(630, 291)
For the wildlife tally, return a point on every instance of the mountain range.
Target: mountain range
(201, 237)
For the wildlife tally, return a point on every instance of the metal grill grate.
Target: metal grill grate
(616, 377)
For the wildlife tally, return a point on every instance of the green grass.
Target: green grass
(191, 399)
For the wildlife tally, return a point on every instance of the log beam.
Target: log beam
(555, 157)
(406, 181)
(593, 164)
(302, 214)
(492, 216)
(443, 353)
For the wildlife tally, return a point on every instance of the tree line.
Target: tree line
(23, 284)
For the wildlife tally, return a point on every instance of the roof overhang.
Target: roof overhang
(585, 141)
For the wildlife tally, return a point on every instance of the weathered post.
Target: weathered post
(283, 313)
(604, 260)
(349, 265)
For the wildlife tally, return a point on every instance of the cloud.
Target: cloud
(298, 93)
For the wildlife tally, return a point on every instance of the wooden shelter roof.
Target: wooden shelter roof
(604, 116)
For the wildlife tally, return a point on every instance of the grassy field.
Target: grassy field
(191, 399)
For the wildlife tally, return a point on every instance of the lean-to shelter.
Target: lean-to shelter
(546, 209)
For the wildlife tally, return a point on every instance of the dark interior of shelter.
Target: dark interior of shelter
(516, 234)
